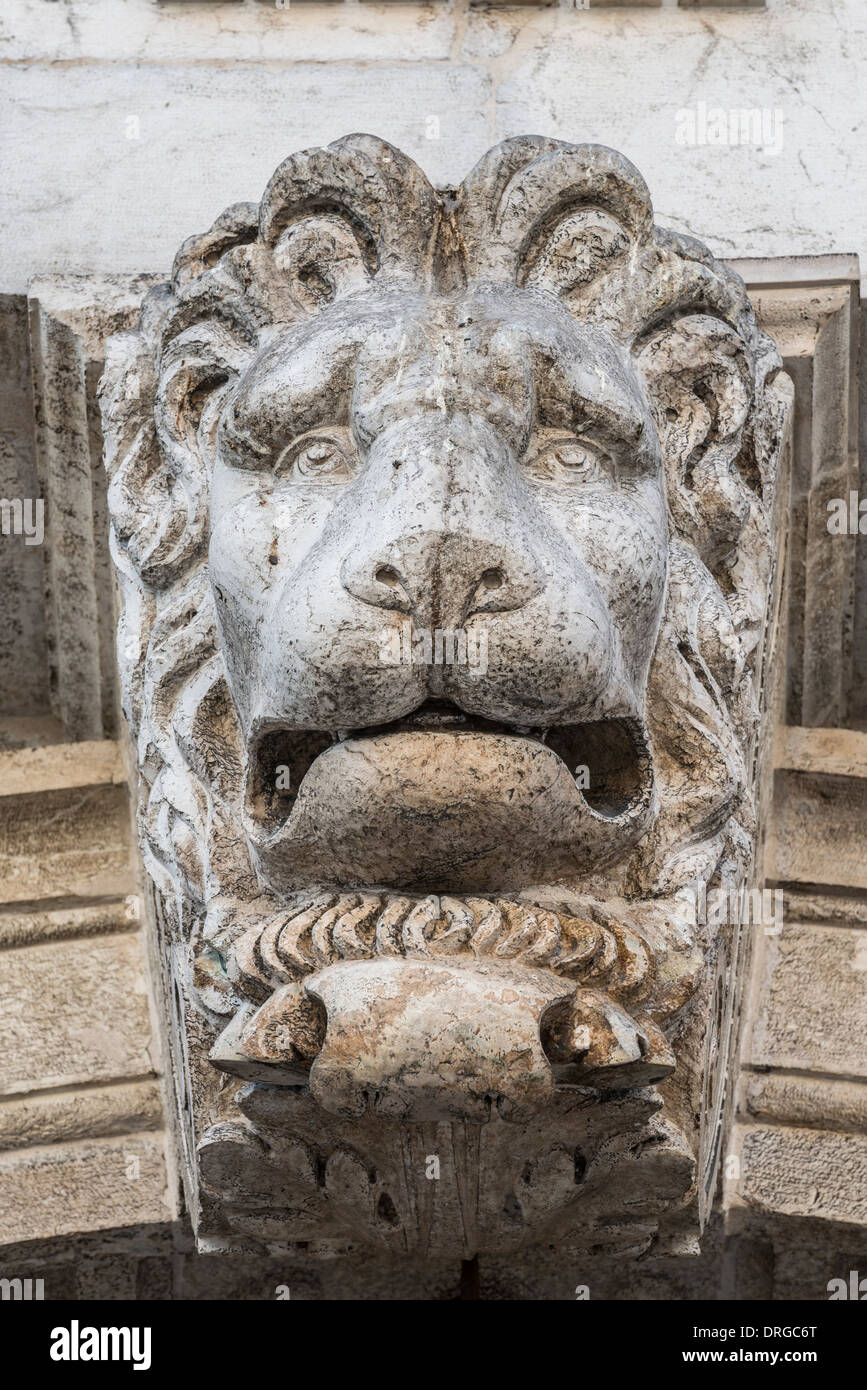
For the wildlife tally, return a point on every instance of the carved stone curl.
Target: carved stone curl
(443, 523)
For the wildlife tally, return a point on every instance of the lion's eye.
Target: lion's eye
(317, 458)
(571, 460)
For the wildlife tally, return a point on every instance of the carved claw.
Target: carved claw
(594, 1042)
(275, 1043)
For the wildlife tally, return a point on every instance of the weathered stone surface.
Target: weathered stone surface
(818, 833)
(73, 1012)
(444, 523)
(806, 1102)
(837, 752)
(23, 653)
(592, 1172)
(812, 1013)
(277, 108)
(77, 1063)
(278, 74)
(21, 927)
(569, 73)
(804, 1171)
(379, 1041)
(59, 766)
(68, 326)
(93, 1185)
(815, 325)
(840, 908)
(67, 843)
(166, 33)
(34, 1120)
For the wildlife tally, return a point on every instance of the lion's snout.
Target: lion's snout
(453, 537)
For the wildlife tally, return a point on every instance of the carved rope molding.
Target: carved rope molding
(421, 904)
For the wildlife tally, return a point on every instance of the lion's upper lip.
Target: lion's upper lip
(443, 716)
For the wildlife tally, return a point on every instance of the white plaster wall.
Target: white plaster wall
(128, 124)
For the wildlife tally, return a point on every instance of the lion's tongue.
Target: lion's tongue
(436, 811)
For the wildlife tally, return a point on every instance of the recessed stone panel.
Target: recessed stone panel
(812, 1011)
(73, 1012)
(93, 1185)
(63, 844)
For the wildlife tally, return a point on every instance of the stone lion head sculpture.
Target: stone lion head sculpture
(443, 525)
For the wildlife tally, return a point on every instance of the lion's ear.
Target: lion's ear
(552, 216)
(335, 217)
(700, 378)
(572, 254)
(322, 261)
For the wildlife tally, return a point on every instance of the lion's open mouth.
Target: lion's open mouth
(608, 758)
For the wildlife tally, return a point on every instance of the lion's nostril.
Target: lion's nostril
(386, 575)
(492, 579)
